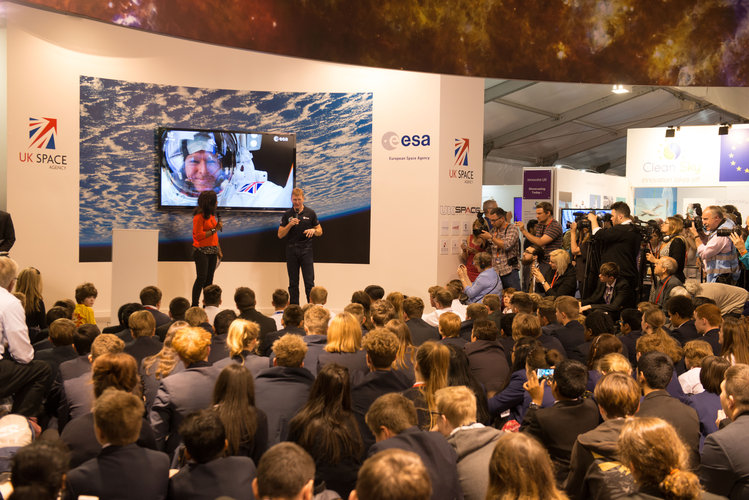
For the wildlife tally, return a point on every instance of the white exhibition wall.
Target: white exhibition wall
(585, 189)
(47, 53)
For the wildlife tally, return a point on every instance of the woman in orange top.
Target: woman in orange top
(206, 250)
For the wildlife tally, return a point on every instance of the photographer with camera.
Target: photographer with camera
(673, 244)
(505, 241)
(619, 244)
(549, 232)
(714, 247)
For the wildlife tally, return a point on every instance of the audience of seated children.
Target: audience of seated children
(150, 298)
(343, 346)
(242, 342)
(393, 474)
(694, 352)
(143, 329)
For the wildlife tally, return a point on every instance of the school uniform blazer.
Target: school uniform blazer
(223, 477)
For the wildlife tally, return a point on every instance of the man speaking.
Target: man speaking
(298, 225)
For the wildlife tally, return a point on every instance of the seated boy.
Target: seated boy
(85, 296)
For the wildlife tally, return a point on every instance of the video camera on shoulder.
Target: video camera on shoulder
(581, 219)
(728, 232)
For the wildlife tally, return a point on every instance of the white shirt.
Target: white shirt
(211, 312)
(690, 381)
(459, 309)
(277, 316)
(433, 318)
(14, 335)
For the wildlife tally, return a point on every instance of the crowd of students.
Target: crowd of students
(517, 396)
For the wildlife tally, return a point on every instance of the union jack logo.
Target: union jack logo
(42, 133)
(461, 152)
(251, 188)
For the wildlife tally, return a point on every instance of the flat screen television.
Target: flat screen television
(247, 170)
(568, 214)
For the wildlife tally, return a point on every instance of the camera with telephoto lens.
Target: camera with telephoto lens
(581, 219)
(696, 222)
(727, 231)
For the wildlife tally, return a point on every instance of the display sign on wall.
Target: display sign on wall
(538, 186)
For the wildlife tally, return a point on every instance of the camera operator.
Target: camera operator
(505, 241)
(549, 232)
(619, 244)
(714, 247)
(673, 244)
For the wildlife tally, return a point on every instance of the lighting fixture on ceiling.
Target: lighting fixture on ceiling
(723, 129)
(670, 131)
(620, 89)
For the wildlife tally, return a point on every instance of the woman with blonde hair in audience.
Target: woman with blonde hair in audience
(242, 341)
(234, 400)
(658, 460)
(734, 337)
(344, 344)
(614, 362)
(163, 363)
(29, 283)
(520, 468)
(564, 279)
(431, 369)
(404, 358)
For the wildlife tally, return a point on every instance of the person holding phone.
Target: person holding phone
(206, 249)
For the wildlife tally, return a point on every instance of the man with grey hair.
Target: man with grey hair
(20, 376)
(717, 253)
(730, 299)
(664, 270)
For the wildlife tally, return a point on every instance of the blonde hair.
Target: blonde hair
(242, 333)
(449, 324)
(30, 284)
(290, 350)
(8, 270)
(166, 359)
(316, 320)
(141, 324)
(457, 404)
(344, 334)
(406, 349)
(191, 344)
(561, 259)
(614, 362)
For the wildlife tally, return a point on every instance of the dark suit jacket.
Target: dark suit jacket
(712, 337)
(315, 347)
(226, 476)
(570, 335)
(7, 232)
(280, 392)
(80, 437)
(55, 356)
(662, 293)
(142, 347)
(552, 342)
(488, 364)
(725, 460)
(686, 332)
(621, 244)
(76, 398)
(162, 330)
(125, 335)
(368, 387)
(622, 297)
(458, 342)
(267, 324)
(160, 317)
(439, 458)
(121, 472)
(558, 427)
(630, 342)
(684, 419)
(354, 361)
(421, 331)
(179, 395)
(266, 340)
(565, 284)
(219, 349)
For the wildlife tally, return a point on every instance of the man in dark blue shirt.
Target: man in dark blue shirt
(298, 225)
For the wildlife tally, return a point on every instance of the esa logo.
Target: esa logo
(278, 138)
(391, 140)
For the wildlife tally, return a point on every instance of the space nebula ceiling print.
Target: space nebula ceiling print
(663, 42)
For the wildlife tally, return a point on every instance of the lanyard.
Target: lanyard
(658, 297)
(554, 279)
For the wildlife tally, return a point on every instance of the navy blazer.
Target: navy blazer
(121, 473)
(570, 335)
(725, 460)
(280, 392)
(686, 332)
(179, 395)
(223, 477)
(684, 419)
(623, 296)
(421, 331)
(368, 387)
(439, 458)
(142, 347)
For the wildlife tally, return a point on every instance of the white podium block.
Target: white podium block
(135, 257)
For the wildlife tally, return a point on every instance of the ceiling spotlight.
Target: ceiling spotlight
(670, 132)
(620, 89)
(723, 129)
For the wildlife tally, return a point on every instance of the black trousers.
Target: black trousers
(299, 256)
(26, 383)
(205, 266)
